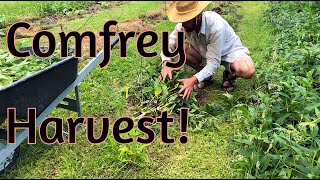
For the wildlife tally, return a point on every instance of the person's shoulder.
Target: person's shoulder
(213, 20)
(210, 12)
(212, 16)
(179, 26)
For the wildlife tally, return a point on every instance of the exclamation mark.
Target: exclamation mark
(184, 125)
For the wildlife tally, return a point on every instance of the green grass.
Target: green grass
(16, 9)
(13, 11)
(209, 154)
(205, 156)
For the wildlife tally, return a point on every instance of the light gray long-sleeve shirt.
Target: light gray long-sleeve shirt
(216, 39)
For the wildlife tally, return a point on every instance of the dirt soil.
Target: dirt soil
(157, 15)
(224, 7)
(24, 33)
(136, 25)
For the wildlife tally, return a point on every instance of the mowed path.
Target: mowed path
(210, 154)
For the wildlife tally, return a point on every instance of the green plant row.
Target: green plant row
(49, 8)
(281, 121)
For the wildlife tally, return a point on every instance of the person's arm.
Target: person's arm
(172, 42)
(213, 55)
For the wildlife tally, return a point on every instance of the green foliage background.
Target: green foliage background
(281, 122)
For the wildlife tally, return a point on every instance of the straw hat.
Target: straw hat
(182, 11)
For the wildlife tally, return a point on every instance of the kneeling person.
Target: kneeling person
(211, 42)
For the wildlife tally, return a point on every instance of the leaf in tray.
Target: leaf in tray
(13, 69)
(2, 34)
(11, 58)
(3, 77)
(3, 40)
(5, 80)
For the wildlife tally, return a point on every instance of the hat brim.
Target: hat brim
(174, 16)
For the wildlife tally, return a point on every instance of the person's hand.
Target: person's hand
(166, 71)
(188, 85)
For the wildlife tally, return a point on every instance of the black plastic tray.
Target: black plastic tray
(38, 90)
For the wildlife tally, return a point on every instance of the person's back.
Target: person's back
(232, 40)
(213, 24)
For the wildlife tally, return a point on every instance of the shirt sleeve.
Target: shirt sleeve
(213, 55)
(172, 41)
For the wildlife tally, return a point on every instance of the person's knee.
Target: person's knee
(187, 48)
(191, 55)
(250, 70)
(249, 73)
(245, 68)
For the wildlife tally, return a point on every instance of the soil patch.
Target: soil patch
(225, 7)
(30, 19)
(24, 33)
(154, 16)
(107, 5)
(136, 25)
